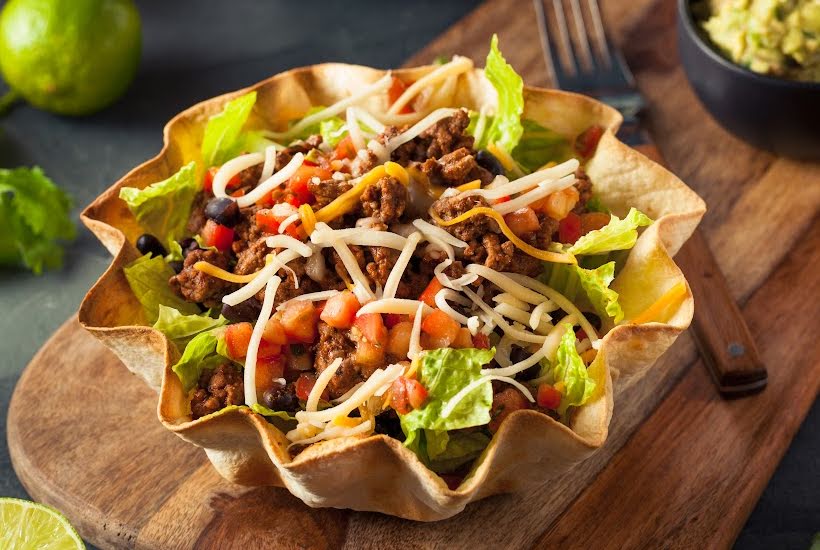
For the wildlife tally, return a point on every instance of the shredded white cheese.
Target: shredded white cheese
(272, 182)
(394, 305)
(309, 297)
(270, 163)
(507, 284)
(322, 381)
(466, 390)
(455, 67)
(249, 379)
(353, 129)
(541, 190)
(278, 261)
(231, 169)
(415, 335)
(441, 301)
(391, 286)
(413, 132)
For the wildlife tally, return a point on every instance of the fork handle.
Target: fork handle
(721, 334)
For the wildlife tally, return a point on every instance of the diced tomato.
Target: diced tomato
(398, 341)
(397, 87)
(481, 341)
(587, 141)
(522, 221)
(434, 342)
(298, 183)
(441, 326)
(580, 334)
(590, 221)
(217, 235)
(268, 350)
(504, 404)
(340, 310)
(548, 397)
(274, 332)
(369, 354)
(505, 198)
(268, 370)
(569, 229)
(345, 149)
(266, 221)
(237, 338)
(463, 340)
(557, 205)
(372, 327)
(299, 321)
(429, 294)
(393, 319)
(304, 384)
(238, 193)
(407, 394)
(208, 180)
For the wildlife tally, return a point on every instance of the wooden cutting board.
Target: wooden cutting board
(84, 437)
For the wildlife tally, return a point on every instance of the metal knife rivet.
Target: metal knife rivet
(736, 350)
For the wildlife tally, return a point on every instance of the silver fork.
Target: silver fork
(594, 67)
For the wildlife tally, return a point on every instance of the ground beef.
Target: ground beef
(333, 344)
(415, 279)
(364, 161)
(217, 389)
(385, 200)
(490, 251)
(584, 187)
(442, 138)
(470, 229)
(454, 169)
(327, 190)
(197, 218)
(546, 229)
(252, 258)
(525, 264)
(287, 288)
(196, 286)
(285, 155)
(250, 176)
(383, 261)
(339, 266)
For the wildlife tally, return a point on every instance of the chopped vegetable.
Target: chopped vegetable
(148, 278)
(340, 310)
(548, 397)
(595, 283)
(217, 235)
(618, 234)
(523, 221)
(398, 340)
(397, 87)
(569, 228)
(222, 138)
(505, 130)
(439, 325)
(237, 338)
(428, 296)
(299, 321)
(199, 355)
(182, 328)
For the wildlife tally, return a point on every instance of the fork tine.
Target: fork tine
(563, 35)
(600, 34)
(549, 58)
(585, 60)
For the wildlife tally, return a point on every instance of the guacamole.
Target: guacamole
(774, 37)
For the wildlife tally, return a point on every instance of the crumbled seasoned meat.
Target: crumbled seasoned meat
(415, 278)
(196, 286)
(333, 344)
(470, 229)
(327, 190)
(454, 169)
(246, 310)
(252, 258)
(197, 218)
(246, 231)
(249, 177)
(339, 266)
(546, 229)
(525, 264)
(383, 261)
(584, 187)
(491, 252)
(285, 155)
(364, 161)
(385, 200)
(217, 389)
(443, 137)
(287, 288)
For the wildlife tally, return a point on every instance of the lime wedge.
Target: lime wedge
(26, 525)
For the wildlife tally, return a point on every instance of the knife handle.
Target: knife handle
(721, 334)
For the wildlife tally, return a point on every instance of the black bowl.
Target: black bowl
(779, 115)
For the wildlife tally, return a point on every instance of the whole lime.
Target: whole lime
(71, 57)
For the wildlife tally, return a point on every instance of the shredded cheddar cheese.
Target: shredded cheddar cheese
(469, 186)
(308, 217)
(345, 202)
(220, 273)
(346, 421)
(673, 296)
(545, 255)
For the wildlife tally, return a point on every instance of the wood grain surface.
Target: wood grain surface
(689, 474)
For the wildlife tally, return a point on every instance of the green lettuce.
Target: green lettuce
(505, 128)
(148, 278)
(181, 328)
(539, 145)
(595, 283)
(163, 208)
(283, 420)
(332, 129)
(35, 218)
(199, 355)
(444, 372)
(460, 448)
(618, 234)
(222, 139)
(569, 369)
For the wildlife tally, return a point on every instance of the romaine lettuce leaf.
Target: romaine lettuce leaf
(199, 355)
(618, 234)
(539, 145)
(444, 372)
(35, 218)
(163, 208)
(595, 283)
(505, 129)
(461, 448)
(181, 328)
(569, 369)
(222, 138)
(332, 129)
(148, 278)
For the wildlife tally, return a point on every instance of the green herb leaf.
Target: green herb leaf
(618, 234)
(221, 140)
(181, 328)
(163, 208)
(35, 219)
(148, 278)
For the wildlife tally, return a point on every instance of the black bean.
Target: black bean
(188, 245)
(388, 423)
(176, 266)
(488, 161)
(223, 211)
(148, 243)
(243, 311)
(281, 398)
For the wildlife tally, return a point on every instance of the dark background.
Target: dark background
(193, 50)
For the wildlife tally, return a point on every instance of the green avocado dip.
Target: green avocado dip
(775, 37)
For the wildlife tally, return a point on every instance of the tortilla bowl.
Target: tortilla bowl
(377, 473)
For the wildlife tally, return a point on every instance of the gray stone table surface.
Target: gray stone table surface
(193, 50)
